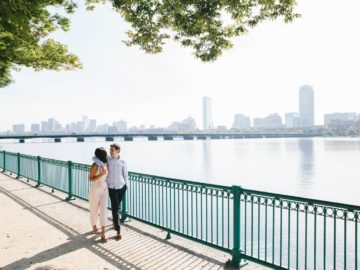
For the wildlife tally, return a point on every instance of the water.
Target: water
(321, 168)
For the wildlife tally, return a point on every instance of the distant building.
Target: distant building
(272, 121)
(44, 127)
(306, 106)
(187, 124)
(241, 122)
(121, 126)
(340, 119)
(103, 128)
(292, 120)
(221, 128)
(35, 128)
(112, 130)
(207, 114)
(51, 124)
(19, 129)
(85, 123)
(92, 125)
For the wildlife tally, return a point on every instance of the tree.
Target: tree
(206, 26)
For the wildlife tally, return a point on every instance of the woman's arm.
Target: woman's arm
(93, 170)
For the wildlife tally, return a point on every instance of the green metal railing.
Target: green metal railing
(278, 231)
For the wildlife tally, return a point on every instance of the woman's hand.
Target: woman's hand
(103, 170)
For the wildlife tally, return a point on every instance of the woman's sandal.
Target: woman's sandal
(118, 236)
(95, 230)
(103, 237)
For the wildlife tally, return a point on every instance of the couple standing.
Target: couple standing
(108, 176)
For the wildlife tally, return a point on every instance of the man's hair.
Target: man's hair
(116, 146)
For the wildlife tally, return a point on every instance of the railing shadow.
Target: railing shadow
(159, 253)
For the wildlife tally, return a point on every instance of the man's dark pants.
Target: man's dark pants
(116, 196)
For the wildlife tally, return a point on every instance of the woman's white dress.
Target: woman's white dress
(98, 199)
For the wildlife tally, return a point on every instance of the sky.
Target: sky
(260, 75)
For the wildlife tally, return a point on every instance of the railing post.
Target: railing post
(18, 166)
(236, 260)
(39, 171)
(70, 195)
(4, 153)
(123, 209)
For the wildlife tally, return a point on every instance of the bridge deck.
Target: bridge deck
(39, 230)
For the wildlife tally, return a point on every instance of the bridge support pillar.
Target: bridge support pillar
(57, 140)
(128, 138)
(152, 138)
(80, 139)
(109, 139)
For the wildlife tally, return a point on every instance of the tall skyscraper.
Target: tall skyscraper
(306, 106)
(207, 115)
(85, 123)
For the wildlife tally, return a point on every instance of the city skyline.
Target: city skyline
(303, 118)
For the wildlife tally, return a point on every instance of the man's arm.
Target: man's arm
(125, 174)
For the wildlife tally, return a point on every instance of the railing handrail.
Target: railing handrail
(245, 190)
(303, 199)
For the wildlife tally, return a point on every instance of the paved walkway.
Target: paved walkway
(39, 230)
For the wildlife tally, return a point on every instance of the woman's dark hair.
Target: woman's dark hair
(101, 154)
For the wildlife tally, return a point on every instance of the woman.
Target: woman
(99, 193)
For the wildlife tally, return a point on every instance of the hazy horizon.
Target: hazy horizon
(261, 75)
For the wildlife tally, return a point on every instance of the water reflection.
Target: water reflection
(306, 167)
(207, 162)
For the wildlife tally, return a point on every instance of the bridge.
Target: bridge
(159, 136)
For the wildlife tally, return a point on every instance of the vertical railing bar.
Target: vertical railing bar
(201, 213)
(228, 216)
(345, 236)
(206, 212)
(306, 234)
(335, 213)
(178, 200)
(266, 229)
(297, 235)
(217, 218)
(289, 223)
(211, 216)
(183, 205)
(273, 231)
(324, 237)
(259, 220)
(252, 226)
(281, 234)
(356, 240)
(245, 224)
(222, 218)
(187, 210)
(315, 217)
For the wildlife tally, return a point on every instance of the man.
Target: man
(117, 180)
